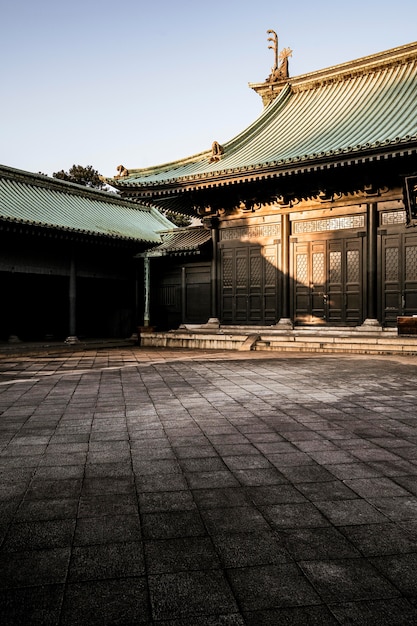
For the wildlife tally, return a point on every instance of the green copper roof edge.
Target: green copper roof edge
(89, 233)
(365, 149)
(64, 186)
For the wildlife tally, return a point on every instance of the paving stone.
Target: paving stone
(204, 464)
(344, 512)
(380, 539)
(306, 473)
(190, 595)
(156, 466)
(116, 560)
(294, 515)
(231, 619)
(41, 489)
(181, 554)
(234, 520)
(392, 612)
(39, 605)
(298, 616)
(215, 498)
(13, 490)
(98, 602)
(114, 504)
(214, 479)
(32, 510)
(250, 549)
(160, 482)
(401, 570)
(22, 569)
(318, 544)
(107, 529)
(354, 470)
(332, 490)
(172, 524)
(164, 501)
(375, 487)
(397, 508)
(339, 580)
(39, 535)
(110, 470)
(271, 586)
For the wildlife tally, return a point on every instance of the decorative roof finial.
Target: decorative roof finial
(278, 72)
(274, 47)
(216, 152)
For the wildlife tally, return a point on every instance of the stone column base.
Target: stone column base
(72, 339)
(370, 324)
(285, 323)
(212, 322)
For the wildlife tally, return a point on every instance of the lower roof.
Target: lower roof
(40, 201)
(182, 241)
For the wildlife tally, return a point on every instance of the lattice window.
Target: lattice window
(335, 267)
(302, 269)
(270, 270)
(227, 272)
(255, 270)
(353, 266)
(391, 264)
(411, 263)
(318, 268)
(241, 272)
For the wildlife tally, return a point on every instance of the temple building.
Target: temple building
(67, 259)
(308, 215)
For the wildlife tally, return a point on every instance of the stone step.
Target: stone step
(291, 341)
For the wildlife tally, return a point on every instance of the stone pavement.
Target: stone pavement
(185, 488)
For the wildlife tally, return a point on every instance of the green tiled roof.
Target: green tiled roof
(364, 107)
(183, 240)
(41, 201)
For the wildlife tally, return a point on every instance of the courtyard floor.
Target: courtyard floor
(207, 488)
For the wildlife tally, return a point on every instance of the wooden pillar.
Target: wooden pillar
(147, 287)
(372, 260)
(183, 295)
(285, 319)
(214, 269)
(72, 296)
(371, 320)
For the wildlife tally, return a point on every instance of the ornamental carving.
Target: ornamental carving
(122, 171)
(216, 152)
(251, 232)
(332, 223)
(280, 70)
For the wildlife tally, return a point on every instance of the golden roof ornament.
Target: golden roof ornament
(121, 171)
(216, 152)
(280, 70)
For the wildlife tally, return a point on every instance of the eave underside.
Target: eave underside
(320, 180)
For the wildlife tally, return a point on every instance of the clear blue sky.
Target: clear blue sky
(144, 82)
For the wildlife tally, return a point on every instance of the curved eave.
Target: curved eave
(277, 169)
(34, 225)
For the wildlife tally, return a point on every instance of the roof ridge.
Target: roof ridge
(364, 65)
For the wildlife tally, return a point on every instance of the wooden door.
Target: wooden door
(399, 276)
(249, 285)
(328, 281)
(345, 279)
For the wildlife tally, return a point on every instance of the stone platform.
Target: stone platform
(346, 340)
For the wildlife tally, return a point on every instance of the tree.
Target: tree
(178, 219)
(81, 175)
